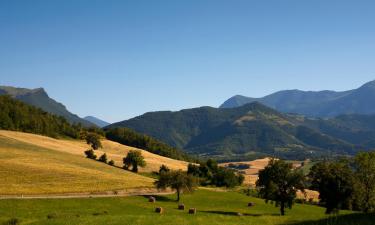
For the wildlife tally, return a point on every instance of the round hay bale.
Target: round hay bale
(159, 210)
(181, 207)
(192, 211)
(251, 204)
(152, 199)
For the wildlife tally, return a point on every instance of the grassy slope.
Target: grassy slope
(213, 208)
(31, 169)
(114, 150)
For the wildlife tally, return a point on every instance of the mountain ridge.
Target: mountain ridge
(252, 129)
(38, 97)
(315, 103)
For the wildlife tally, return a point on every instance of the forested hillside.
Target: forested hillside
(18, 116)
(250, 131)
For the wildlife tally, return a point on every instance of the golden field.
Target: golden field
(34, 164)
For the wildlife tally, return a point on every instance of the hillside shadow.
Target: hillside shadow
(236, 213)
(351, 219)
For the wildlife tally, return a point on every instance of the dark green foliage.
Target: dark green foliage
(128, 137)
(134, 159)
(365, 175)
(233, 133)
(111, 163)
(210, 173)
(176, 180)
(90, 154)
(103, 158)
(93, 140)
(17, 116)
(224, 177)
(335, 182)
(278, 182)
(164, 168)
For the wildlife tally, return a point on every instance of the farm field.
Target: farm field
(212, 208)
(114, 150)
(30, 169)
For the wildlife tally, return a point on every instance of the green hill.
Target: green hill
(251, 130)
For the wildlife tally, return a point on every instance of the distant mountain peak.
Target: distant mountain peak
(370, 84)
(96, 121)
(315, 103)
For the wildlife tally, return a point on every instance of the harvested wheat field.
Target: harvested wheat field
(33, 164)
(113, 150)
(251, 175)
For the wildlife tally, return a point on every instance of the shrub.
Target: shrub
(111, 163)
(90, 154)
(103, 158)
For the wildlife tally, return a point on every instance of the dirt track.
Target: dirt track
(124, 193)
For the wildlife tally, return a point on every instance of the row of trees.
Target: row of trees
(209, 173)
(342, 184)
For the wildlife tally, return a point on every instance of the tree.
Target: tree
(164, 168)
(111, 163)
(103, 158)
(365, 173)
(90, 154)
(335, 183)
(134, 159)
(93, 140)
(279, 182)
(176, 180)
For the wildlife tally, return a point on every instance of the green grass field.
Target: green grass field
(219, 208)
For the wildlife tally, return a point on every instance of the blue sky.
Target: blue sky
(119, 59)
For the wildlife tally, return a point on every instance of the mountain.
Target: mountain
(18, 116)
(243, 132)
(316, 104)
(96, 121)
(39, 98)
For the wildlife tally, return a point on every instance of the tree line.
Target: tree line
(347, 183)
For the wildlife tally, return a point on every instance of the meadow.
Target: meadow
(213, 208)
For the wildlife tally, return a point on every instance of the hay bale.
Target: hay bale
(251, 204)
(181, 207)
(192, 211)
(152, 199)
(159, 210)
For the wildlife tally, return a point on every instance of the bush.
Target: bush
(90, 154)
(103, 158)
(164, 168)
(111, 163)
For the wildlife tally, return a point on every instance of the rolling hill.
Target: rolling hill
(35, 164)
(251, 131)
(39, 98)
(316, 104)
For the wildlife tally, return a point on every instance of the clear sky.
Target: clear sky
(119, 59)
